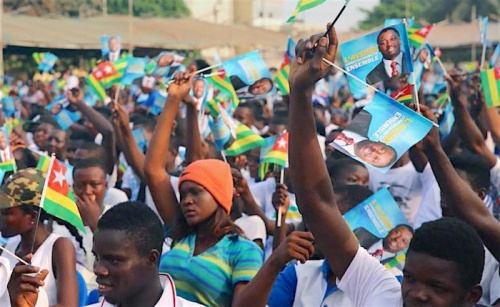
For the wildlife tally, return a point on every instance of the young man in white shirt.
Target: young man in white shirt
(127, 247)
(438, 269)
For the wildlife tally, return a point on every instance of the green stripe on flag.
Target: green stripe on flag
(281, 80)
(303, 5)
(61, 212)
(490, 82)
(96, 87)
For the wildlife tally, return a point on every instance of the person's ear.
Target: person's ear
(482, 194)
(474, 295)
(154, 258)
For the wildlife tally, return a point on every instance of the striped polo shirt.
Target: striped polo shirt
(209, 278)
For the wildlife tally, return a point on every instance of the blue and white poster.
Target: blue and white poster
(380, 227)
(164, 65)
(110, 47)
(377, 58)
(250, 76)
(381, 133)
(63, 115)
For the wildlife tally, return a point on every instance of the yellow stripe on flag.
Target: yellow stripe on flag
(62, 200)
(494, 90)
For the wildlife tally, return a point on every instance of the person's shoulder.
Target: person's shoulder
(236, 242)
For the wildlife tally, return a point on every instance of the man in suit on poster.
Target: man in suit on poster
(393, 61)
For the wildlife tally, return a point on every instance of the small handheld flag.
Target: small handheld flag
(418, 35)
(490, 80)
(57, 196)
(403, 95)
(304, 5)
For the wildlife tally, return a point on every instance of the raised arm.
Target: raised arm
(466, 126)
(459, 195)
(194, 146)
(101, 124)
(156, 175)
(310, 179)
(134, 156)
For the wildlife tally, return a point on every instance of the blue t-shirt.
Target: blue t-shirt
(209, 278)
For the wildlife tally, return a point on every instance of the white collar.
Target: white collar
(398, 60)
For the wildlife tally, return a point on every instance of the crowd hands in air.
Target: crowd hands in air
(204, 231)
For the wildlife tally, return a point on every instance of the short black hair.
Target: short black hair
(95, 150)
(352, 194)
(338, 166)
(147, 122)
(452, 240)
(387, 30)
(476, 168)
(88, 163)
(142, 225)
(84, 135)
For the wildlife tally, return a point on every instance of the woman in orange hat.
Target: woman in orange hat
(211, 261)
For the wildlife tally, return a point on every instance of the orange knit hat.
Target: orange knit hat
(215, 176)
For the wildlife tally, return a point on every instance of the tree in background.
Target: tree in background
(429, 11)
(89, 8)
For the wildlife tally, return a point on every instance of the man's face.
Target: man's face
(90, 181)
(398, 239)
(71, 150)
(165, 60)
(355, 175)
(244, 115)
(41, 134)
(375, 153)
(389, 44)
(56, 143)
(3, 141)
(113, 44)
(260, 87)
(430, 281)
(118, 266)
(198, 88)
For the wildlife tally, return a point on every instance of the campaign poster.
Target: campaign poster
(140, 138)
(164, 65)
(62, 111)
(381, 228)
(110, 47)
(377, 58)
(381, 133)
(250, 76)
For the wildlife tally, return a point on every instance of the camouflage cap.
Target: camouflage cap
(22, 188)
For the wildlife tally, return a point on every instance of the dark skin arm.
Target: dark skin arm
(134, 156)
(23, 288)
(465, 203)
(101, 124)
(310, 179)
(281, 202)
(64, 263)
(156, 176)
(298, 245)
(194, 146)
(468, 129)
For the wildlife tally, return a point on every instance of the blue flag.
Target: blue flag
(483, 26)
(447, 121)
(374, 221)
(135, 69)
(381, 133)
(48, 62)
(494, 63)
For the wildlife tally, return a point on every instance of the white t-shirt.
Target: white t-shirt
(263, 195)
(430, 208)
(404, 185)
(114, 196)
(365, 283)
(253, 227)
(5, 272)
(168, 298)
(490, 281)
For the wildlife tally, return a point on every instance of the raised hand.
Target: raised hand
(23, 288)
(181, 85)
(305, 72)
(280, 199)
(298, 245)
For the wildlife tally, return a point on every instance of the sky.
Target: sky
(327, 11)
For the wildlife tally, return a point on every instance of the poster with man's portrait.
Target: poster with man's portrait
(378, 57)
(5, 152)
(250, 76)
(110, 47)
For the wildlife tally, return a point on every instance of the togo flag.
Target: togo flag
(302, 6)
(490, 80)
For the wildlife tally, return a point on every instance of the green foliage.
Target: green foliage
(429, 11)
(150, 8)
(389, 9)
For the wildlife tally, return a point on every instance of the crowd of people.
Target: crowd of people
(172, 221)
